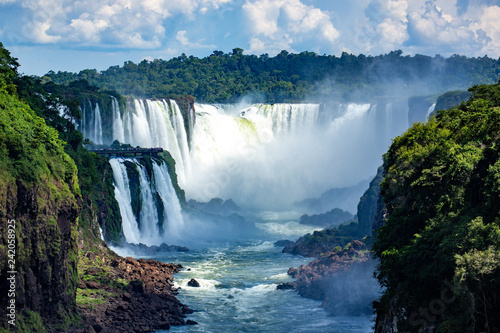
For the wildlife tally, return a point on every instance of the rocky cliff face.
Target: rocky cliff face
(40, 200)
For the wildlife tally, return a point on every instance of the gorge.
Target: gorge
(265, 158)
(234, 184)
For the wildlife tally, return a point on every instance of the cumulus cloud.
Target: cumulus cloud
(184, 40)
(468, 27)
(287, 23)
(386, 27)
(118, 23)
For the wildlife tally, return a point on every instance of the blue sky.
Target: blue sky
(74, 35)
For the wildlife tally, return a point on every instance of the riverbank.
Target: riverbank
(118, 294)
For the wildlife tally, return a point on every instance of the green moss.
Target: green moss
(86, 297)
(30, 322)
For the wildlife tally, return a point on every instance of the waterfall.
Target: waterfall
(90, 124)
(172, 217)
(122, 195)
(285, 118)
(145, 227)
(118, 129)
(263, 154)
(274, 155)
(97, 125)
(149, 227)
(158, 123)
(431, 109)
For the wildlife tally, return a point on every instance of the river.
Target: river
(238, 282)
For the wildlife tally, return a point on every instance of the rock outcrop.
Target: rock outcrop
(127, 295)
(341, 279)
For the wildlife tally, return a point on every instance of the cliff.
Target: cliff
(55, 196)
(438, 238)
(40, 201)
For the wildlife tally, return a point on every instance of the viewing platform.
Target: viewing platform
(127, 152)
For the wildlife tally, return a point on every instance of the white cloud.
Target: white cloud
(263, 16)
(88, 30)
(488, 26)
(118, 23)
(386, 27)
(438, 27)
(184, 40)
(286, 24)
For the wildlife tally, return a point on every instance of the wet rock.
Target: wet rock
(286, 286)
(191, 322)
(193, 283)
(97, 328)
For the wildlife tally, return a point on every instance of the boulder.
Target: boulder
(193, 283)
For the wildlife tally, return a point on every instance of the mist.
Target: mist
(264, 160)
(353, 291)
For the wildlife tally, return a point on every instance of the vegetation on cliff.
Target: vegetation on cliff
(38, 191)
(58, 194)
(287, 77)
(440, 246)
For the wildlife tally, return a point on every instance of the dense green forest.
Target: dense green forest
(440, 246)
(287, 77)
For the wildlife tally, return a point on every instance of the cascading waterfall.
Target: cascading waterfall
(148, 227)
(285, 118)
(122, 195)
(271, 155)
(158, 123)
(431, 109)
(91, 122)
(118, 129)
(98, 125)
(261, 154)
(173, 221)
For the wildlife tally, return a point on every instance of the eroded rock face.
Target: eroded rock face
(46, 249)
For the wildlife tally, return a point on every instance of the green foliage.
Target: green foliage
(94, 172)
(29, 148)
(226, 77)
(442, 192)
(451, 99)
(39, 190)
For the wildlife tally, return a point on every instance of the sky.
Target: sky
(63, 35)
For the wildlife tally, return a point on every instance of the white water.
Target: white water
(91, 122)
(122, 195)
(118, 129)
(431, 109)
(270, 156)
(145, 228)
(261, 156)
(173, 221)
(158, 124)
(237, 292)
(97, 125)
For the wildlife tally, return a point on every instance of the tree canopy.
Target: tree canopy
(288, 77)
(442, 237)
